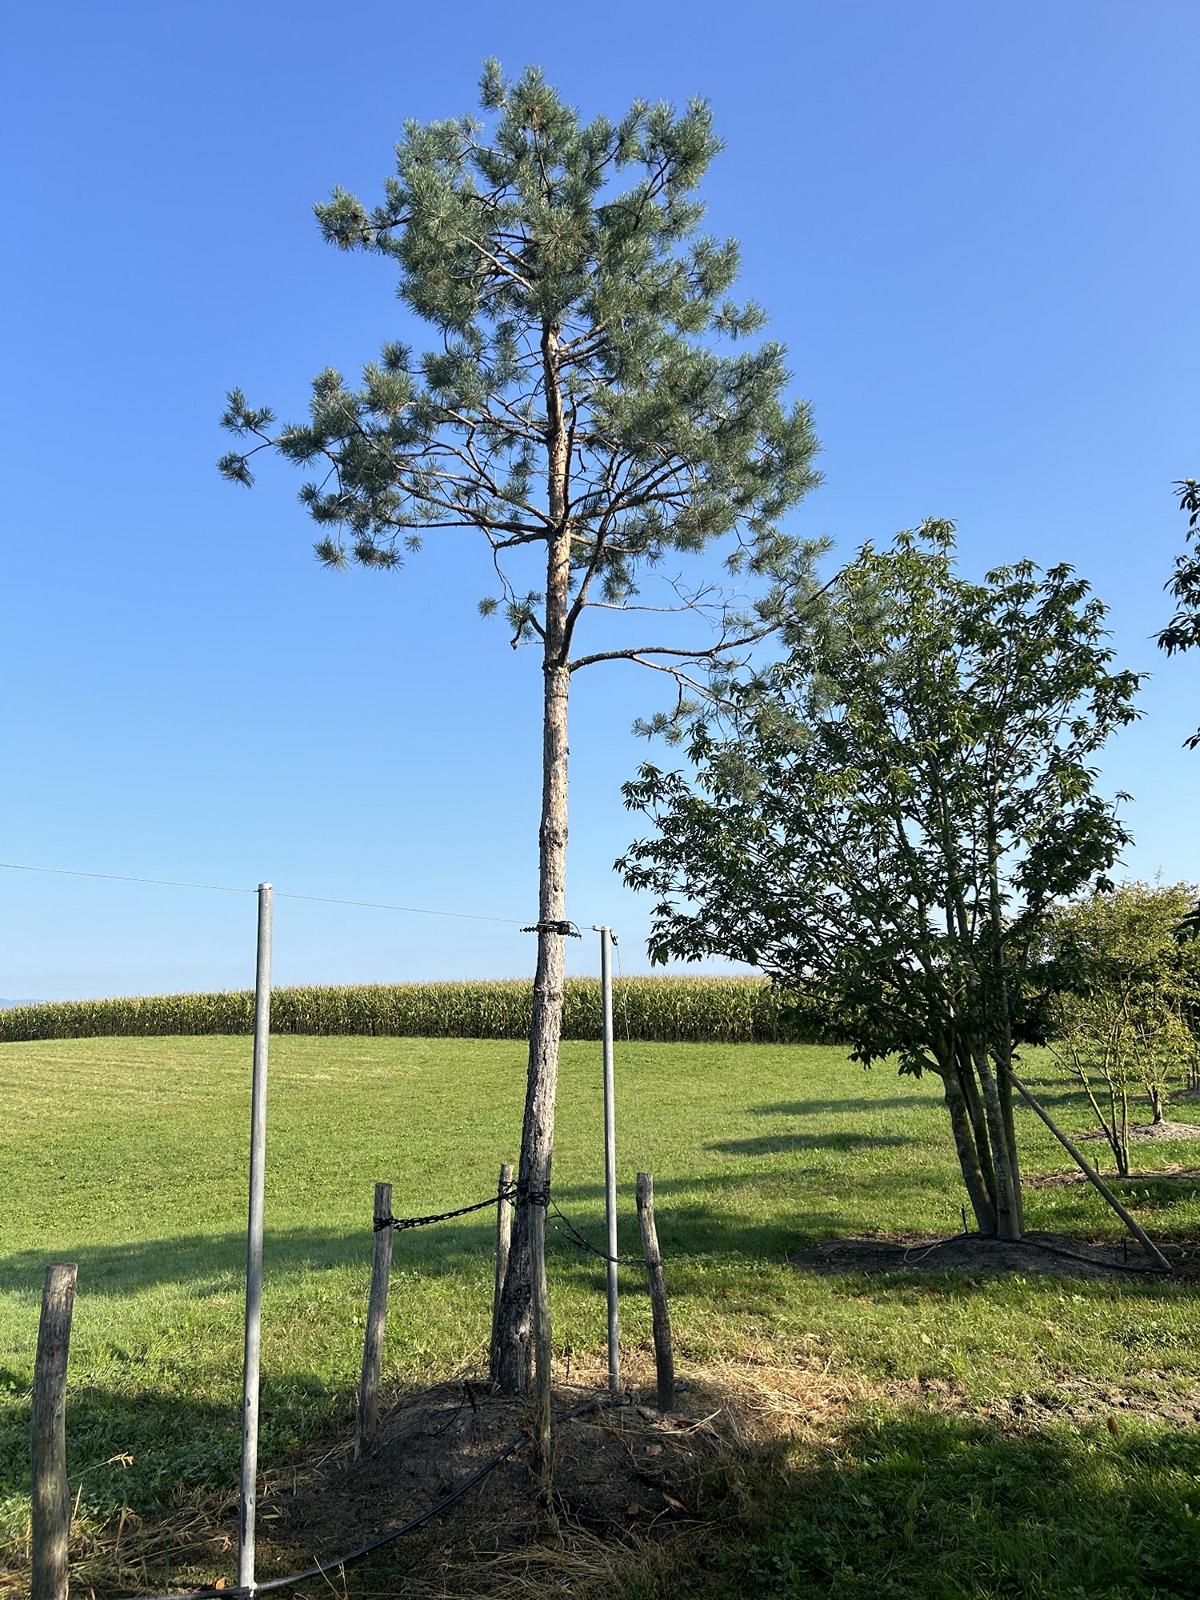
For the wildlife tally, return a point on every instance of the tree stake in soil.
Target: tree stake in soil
(48, 1436)
(664, 1355)
(372, 1362)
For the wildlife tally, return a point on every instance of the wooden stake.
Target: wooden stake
(664, 1357)
(503, 1245)
(1093, 1177)
(48, 1436)
(372, 1363)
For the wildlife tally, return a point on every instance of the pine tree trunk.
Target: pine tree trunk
(515, 1332)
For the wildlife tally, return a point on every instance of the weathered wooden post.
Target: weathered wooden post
(503, 1245)
(372, 1362)
(48, 1436)
(664, 1357)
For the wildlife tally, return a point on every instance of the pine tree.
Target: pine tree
(585, 397)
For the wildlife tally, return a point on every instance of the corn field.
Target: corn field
(666, 1010)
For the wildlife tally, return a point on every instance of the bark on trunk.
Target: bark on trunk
(1008, 1220)
(515, 1334)
(516, 1331)
(1005, 1090)
(968, 1154)
(970, 1089)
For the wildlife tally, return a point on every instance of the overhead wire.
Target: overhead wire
(280, 894)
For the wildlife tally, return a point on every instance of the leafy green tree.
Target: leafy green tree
(885, 821)
(584, 403)
(1183, 630)
(1124, 1022)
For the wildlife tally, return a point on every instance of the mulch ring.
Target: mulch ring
(1038, 1254)
(1189, 1131)
(1171, 1174)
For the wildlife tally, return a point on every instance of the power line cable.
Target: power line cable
(280, 894)
(121, 877)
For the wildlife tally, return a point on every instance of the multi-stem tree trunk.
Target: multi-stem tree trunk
(979, 1100)
(526, 1263)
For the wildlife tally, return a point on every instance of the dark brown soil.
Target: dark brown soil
(1044, 1254)
(1169, 1174)
(1152, 1130)
(618, 1474)
(1081, 1400)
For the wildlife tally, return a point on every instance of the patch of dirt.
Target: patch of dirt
(1174, 1173)
(1150, 1130)
(1081, 1400)
(1042, 1254)
(625, 1479)
(611, 1468)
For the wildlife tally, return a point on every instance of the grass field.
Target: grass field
(129, 1157)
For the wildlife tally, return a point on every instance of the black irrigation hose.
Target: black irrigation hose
(1093, 1261)
(323, 1568)
(1037, 1244)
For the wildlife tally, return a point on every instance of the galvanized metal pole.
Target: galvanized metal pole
(610, 1154)
(254, 1241)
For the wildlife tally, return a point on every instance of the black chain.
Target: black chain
(577, 1239)
(521, 1193)
(399, 1223)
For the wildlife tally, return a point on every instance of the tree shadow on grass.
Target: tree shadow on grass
(214, 1263)
(918, 1101)
(932, 1506)
(776, 1143)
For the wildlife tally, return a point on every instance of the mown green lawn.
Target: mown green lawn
(129, 1157)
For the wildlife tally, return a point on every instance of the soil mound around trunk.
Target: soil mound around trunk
(621, 1472)
(1042, 1254)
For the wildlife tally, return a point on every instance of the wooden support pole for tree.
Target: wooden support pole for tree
(48, 1436)
(372, 1362)
(664, 1356)
(503, 1245)
(541, 1345)
(1093, 1177)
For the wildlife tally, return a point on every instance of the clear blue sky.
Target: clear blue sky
(974, 226)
